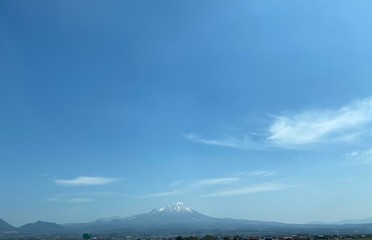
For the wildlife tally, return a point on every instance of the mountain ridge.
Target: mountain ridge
(177, 218)
(346, 221)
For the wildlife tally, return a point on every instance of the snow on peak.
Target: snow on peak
(177, 207)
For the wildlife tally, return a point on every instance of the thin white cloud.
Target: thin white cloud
(182, 187)
(321, 125)
(233, 142)
(80, 200)
(85, 181)
(361, 157)
(214, 181)
(228, 186)
(175, 184)
(250, 189)
(263, 173)
(105, 193)
(297, 130)
(257, 173)
(169, 193)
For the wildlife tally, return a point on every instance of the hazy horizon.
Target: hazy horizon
(257, 110)
(221, 217)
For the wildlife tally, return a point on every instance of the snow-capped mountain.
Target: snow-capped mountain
(176, 208)
(177, 213)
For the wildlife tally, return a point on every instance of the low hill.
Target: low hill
(6, 227)
(43, 228)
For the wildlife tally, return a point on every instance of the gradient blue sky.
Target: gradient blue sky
(244, 109)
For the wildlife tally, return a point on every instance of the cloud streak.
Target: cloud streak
(250, 189)
(214, 181)
(228, 186)
(169, 193)
(244, 142)
(181, 187)
(362, 157)
(85, 181)
(321, 125)
(305, 128)
(80, 200)
(263, 173)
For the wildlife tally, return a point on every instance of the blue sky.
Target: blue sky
(244, 109)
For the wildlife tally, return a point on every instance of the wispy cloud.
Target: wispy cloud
(85, 181)
(321, 125)
(361, 157)
(250, 189)
(257, 173)
(182, 187)
(176, 183)
(304, 128)
(215, 187)
(263, 173)
(242, 142)
(168, 193)
(214, 181)
(80, 200)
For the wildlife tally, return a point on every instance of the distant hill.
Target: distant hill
(179, 219)
(343, 222)
(6, 227)
(43, 228)
(354, 221)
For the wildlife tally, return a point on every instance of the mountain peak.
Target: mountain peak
(178, 208)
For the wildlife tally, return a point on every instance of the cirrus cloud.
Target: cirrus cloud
(249, 189)
(304, 128)
(362, 157)
(227, 186)
(85, 181)
(321, 125)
